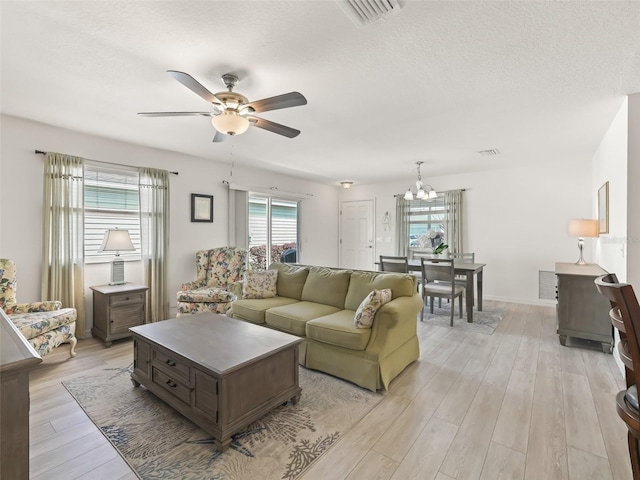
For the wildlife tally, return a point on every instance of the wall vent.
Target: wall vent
(547, 285)
(363, 12)
(490, 152)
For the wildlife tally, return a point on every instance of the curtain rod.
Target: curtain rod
(40, 152)
(265, 190)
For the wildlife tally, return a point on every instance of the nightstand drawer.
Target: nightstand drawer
(126, 298)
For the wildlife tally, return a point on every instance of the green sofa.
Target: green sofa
(319, 305)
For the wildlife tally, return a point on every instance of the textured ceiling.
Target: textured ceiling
(436, 81)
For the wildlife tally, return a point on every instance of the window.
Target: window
(111, 199)
(427, 223)
(273, 222)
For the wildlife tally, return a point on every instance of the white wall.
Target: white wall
(515, 221)
(610, 165)
(21, 193)
(633, 195)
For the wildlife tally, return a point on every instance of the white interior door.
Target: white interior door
(356, 235)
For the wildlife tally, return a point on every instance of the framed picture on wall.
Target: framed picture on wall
(603, 208)
(201, 208)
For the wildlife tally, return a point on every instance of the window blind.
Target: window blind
(111, 199)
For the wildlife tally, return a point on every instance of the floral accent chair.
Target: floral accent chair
(46, 324)
(216, 271)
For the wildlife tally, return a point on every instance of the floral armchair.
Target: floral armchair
(46, 324)
(216, 270)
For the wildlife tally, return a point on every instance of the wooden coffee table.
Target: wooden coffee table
(221, 373)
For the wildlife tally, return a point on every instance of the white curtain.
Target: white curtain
(402, 226)
(154, 236)
(63, 234)
(453, 203)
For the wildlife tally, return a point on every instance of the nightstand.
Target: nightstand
(116, 308)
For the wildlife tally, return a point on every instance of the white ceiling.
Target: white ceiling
(435, 81)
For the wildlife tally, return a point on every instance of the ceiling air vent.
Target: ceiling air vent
(489, 153)
(362, 12)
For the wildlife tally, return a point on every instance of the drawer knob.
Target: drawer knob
(170, 362)
(127, 298)
(172, 384)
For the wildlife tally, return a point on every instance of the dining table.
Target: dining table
(467, 269)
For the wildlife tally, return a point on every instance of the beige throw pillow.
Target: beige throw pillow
(369, 306)
(261, 284)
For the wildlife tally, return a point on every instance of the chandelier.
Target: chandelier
(422, 191)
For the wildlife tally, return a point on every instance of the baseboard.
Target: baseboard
(527, 301)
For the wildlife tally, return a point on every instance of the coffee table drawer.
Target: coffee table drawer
(171, 385)
(171, 364)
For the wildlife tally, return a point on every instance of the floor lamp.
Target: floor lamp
(116, 240)
(581, 229)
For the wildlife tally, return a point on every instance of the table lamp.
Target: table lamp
(116, 240)
(582, 228)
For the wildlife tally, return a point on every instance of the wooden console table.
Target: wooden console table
(582, 311)
(17, 358)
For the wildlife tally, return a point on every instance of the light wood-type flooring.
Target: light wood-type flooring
(512, 405)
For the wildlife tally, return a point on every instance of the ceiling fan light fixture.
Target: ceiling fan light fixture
(230, 123)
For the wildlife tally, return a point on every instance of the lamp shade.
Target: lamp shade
(583, 228)
(230, 123)
(116, 240)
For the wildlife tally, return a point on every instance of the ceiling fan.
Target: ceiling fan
(232, 112)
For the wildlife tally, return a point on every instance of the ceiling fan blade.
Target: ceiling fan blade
(174, 114)
(274, 127)
(195, 86)
(291, 99)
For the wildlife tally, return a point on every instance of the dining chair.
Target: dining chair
(465, 258)
(438, 280)
(394, 264)
(625, 317)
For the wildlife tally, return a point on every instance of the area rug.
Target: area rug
(484, 322)
(159, 443)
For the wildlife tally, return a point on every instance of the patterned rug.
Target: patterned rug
(484, 322)
(159, 443)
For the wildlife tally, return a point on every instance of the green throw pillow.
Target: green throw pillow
(369, 306)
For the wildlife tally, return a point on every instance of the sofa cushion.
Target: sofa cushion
(260, 284)
(189, 308)
(290, 280)
(206, 294)
(327, 286)
(338, 329)
(362, 283)
(33, 324)
(253, 310)
(292, 318)
(369, 306)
